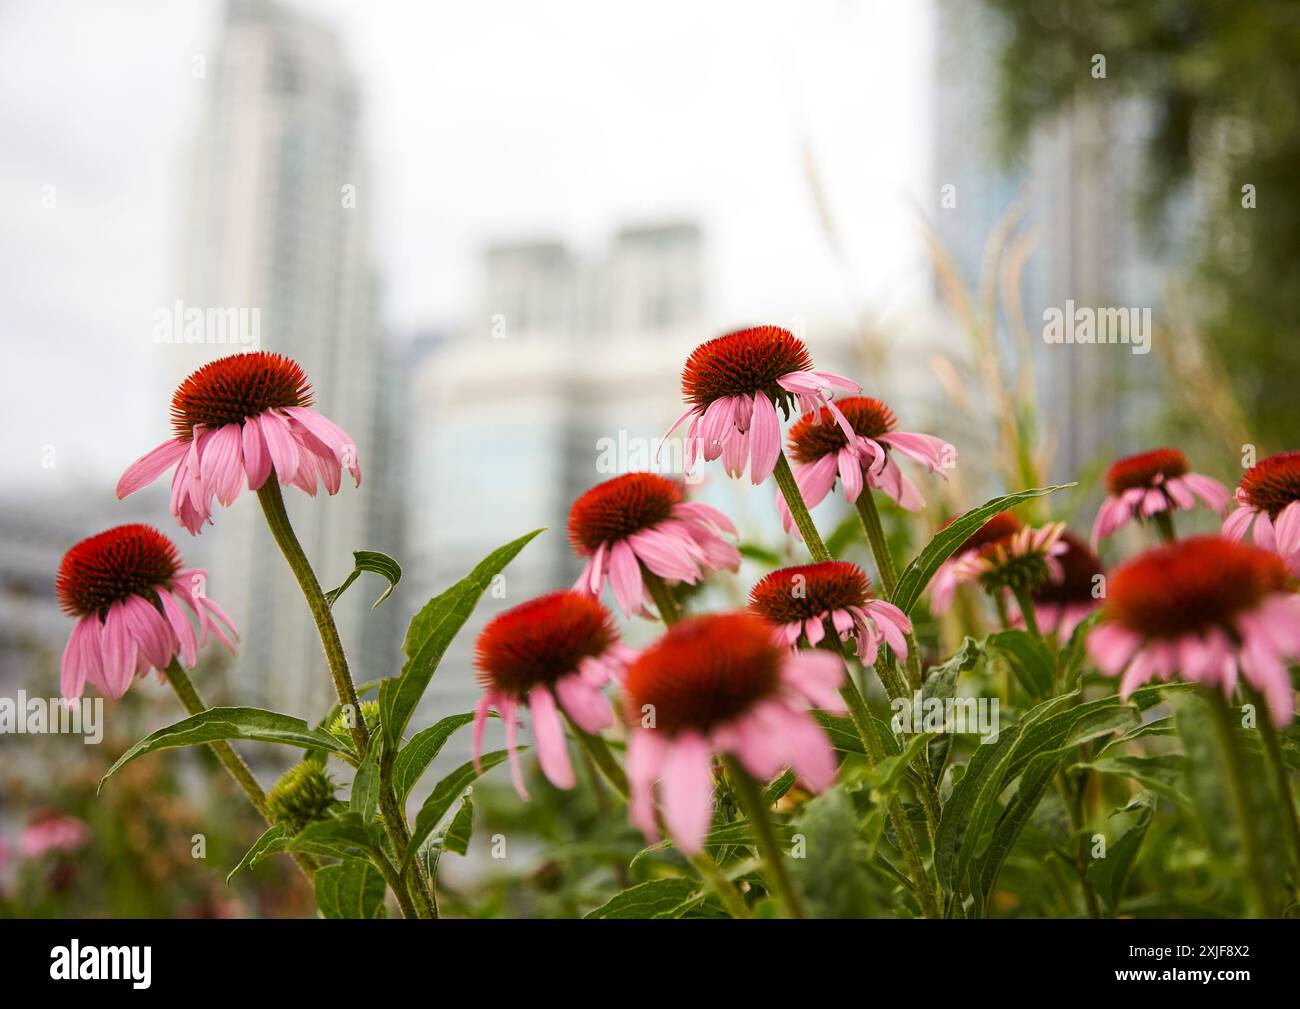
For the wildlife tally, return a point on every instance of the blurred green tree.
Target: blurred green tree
(1222, 79)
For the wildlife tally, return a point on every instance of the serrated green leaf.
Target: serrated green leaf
(446, 792)
(830, 872)
(365, 784)
(646, 900)
(422, 749)
(1037, 776)
(1108, 875)
(1162, 773)
(1029, 658)
(429, 634)
(374, 562)
(216, 724)
(350, 889)
(461, 828)
(916, 576)
(274, 834)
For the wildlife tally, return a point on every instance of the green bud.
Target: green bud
(342, 725)
(304, 793)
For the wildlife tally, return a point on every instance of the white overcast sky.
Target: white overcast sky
(486, 120)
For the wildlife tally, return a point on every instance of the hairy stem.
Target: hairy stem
(1252, 844)
(1164, 522)
(669, 611)
(394, 818)
(750, 799)
(1281, 777)
(870, 516)
(230, 760)
(798, 510)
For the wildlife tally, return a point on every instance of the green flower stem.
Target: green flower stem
(709, 870)
(1234, 763)
(1025, 600)
(230, 760)
(870, 516)
(669, 611)
(1073, 801)
(889, 678)
(798, 510)
(861, 716)
(749, 796)
(277, 518)
(1164, 522)
(1004, 615)
(393, 879)
(1281, 775)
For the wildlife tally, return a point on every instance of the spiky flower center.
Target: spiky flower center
(227, 390)
(815, 435)
(1192, 586)
(539, 641)
(303, 794)
(1145, 469)
(1273, 483)
(704, 671)
(1080, 567)
(617, 508)
(743, 363)
(809, 591)
(125, 561)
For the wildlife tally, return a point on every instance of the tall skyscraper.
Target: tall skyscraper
(277, 225)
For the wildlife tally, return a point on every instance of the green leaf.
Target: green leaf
(1033, 782)
(365, 784)
(1029, 658)
(232, 723)
(978, 789)
(763, 555)
(777, 788)
(737, 833)
(446, 792)
(830, 873)
(916, 576)
(646, 900)
(1162, 774)
(1075, 651)
(430, 632)
(461, 828)
(941, 684)
(1108, 875)
(274, 835)
(352, 889)
(420, 752)
(344, 835)
(374, 562)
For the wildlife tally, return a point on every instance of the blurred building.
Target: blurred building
(1077, 182)
(277, 223)
(568, 374)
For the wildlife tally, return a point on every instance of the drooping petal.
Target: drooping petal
(548, 730)
(150, 466)
(765, 439)
(688, 791)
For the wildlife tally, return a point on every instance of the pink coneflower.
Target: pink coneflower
(822, 454)
(562, 647)
(1206, 609)
(52, 833)
(640, 518)
(799, 601)
(1269, 494)
(237, 418)
(1023, 560)
(1061, 604)
(720, 683)
(735, 383)
(943, 586)
(125, 586)
(1150, 483)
